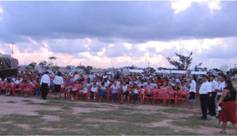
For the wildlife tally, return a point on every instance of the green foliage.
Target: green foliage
(183, 62)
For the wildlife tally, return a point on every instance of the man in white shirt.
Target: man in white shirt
(221, 86)
(192, 91)
(58, 82)
(44, 83)
(212, 96)
(203, 91)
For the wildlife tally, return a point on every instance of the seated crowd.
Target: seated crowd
(215, 93)
(110, 87)
(117, 87)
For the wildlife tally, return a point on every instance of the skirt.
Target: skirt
(228, 112)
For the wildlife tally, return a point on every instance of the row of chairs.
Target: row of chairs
(165, 96)
(20, 89)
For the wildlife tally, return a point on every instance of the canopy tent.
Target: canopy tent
(181, 72)
(135, 71)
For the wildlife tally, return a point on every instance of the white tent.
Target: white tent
(135, 70)
(181, 72)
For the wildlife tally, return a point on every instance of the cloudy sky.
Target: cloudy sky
(115, 34)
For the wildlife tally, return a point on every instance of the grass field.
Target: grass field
(35, 116)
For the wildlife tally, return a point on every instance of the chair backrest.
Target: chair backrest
(163, 93)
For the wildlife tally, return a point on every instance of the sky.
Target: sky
(120, 33)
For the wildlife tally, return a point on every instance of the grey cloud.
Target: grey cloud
(66, 46)
(131, 21)
(226, 51)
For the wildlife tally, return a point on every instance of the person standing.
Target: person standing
(192, 90)
(221, 86)
(203, 91)
(212, 96)
(44, 85)
(58, 82)
(115, 90)
(228, 105)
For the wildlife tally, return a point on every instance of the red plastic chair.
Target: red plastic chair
(28, 89)
(13, 89)
(161, 95)
(171, 95)
(181, 97)
(146, 96)
(3, 87)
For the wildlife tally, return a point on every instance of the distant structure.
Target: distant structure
(8, 62)
(8, 65)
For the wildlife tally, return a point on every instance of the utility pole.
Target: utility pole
(12, 48)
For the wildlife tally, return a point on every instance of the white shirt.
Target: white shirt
(221, 88)
(154, 85)
(17, 82)
(125, 88)
(45, 79)
(94, 89)
(114, 88)
(193, 86)
(76, 77)
(135, 91)
(58, 80)
(107, 83)
(214, 85)
(205, 88)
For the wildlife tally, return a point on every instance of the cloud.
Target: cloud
(225, 50)
(130, 21)
(106, 34)
(182, 5)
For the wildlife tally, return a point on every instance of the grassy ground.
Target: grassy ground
(66, 117)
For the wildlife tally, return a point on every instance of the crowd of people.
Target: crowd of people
(216, 93)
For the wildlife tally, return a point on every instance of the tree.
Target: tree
(150, 70)
(88, 69)
(43, 63)
(32, 65)
(183, 62)
(51, 61)
(224, 68)
(52, 58)
(200, 67)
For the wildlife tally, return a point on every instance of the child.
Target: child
(102, 91)
(135, 94)
(75, 90)
(94, 90)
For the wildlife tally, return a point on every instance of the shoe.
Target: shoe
(203, 118)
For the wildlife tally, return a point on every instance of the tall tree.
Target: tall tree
(32, 65)
(52, 61)
(88, 69)
(52, 58)
(183, 62)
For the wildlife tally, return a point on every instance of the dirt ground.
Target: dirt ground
(20, 115)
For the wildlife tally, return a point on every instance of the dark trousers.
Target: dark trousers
(212, 103)
(135, 98)
(114, 97)
(57, 88)
(44, 90)
(218, 97)
(204, 105)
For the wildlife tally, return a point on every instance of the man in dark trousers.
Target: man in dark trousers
(44, 85)
(203, 91)
(212, 96)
